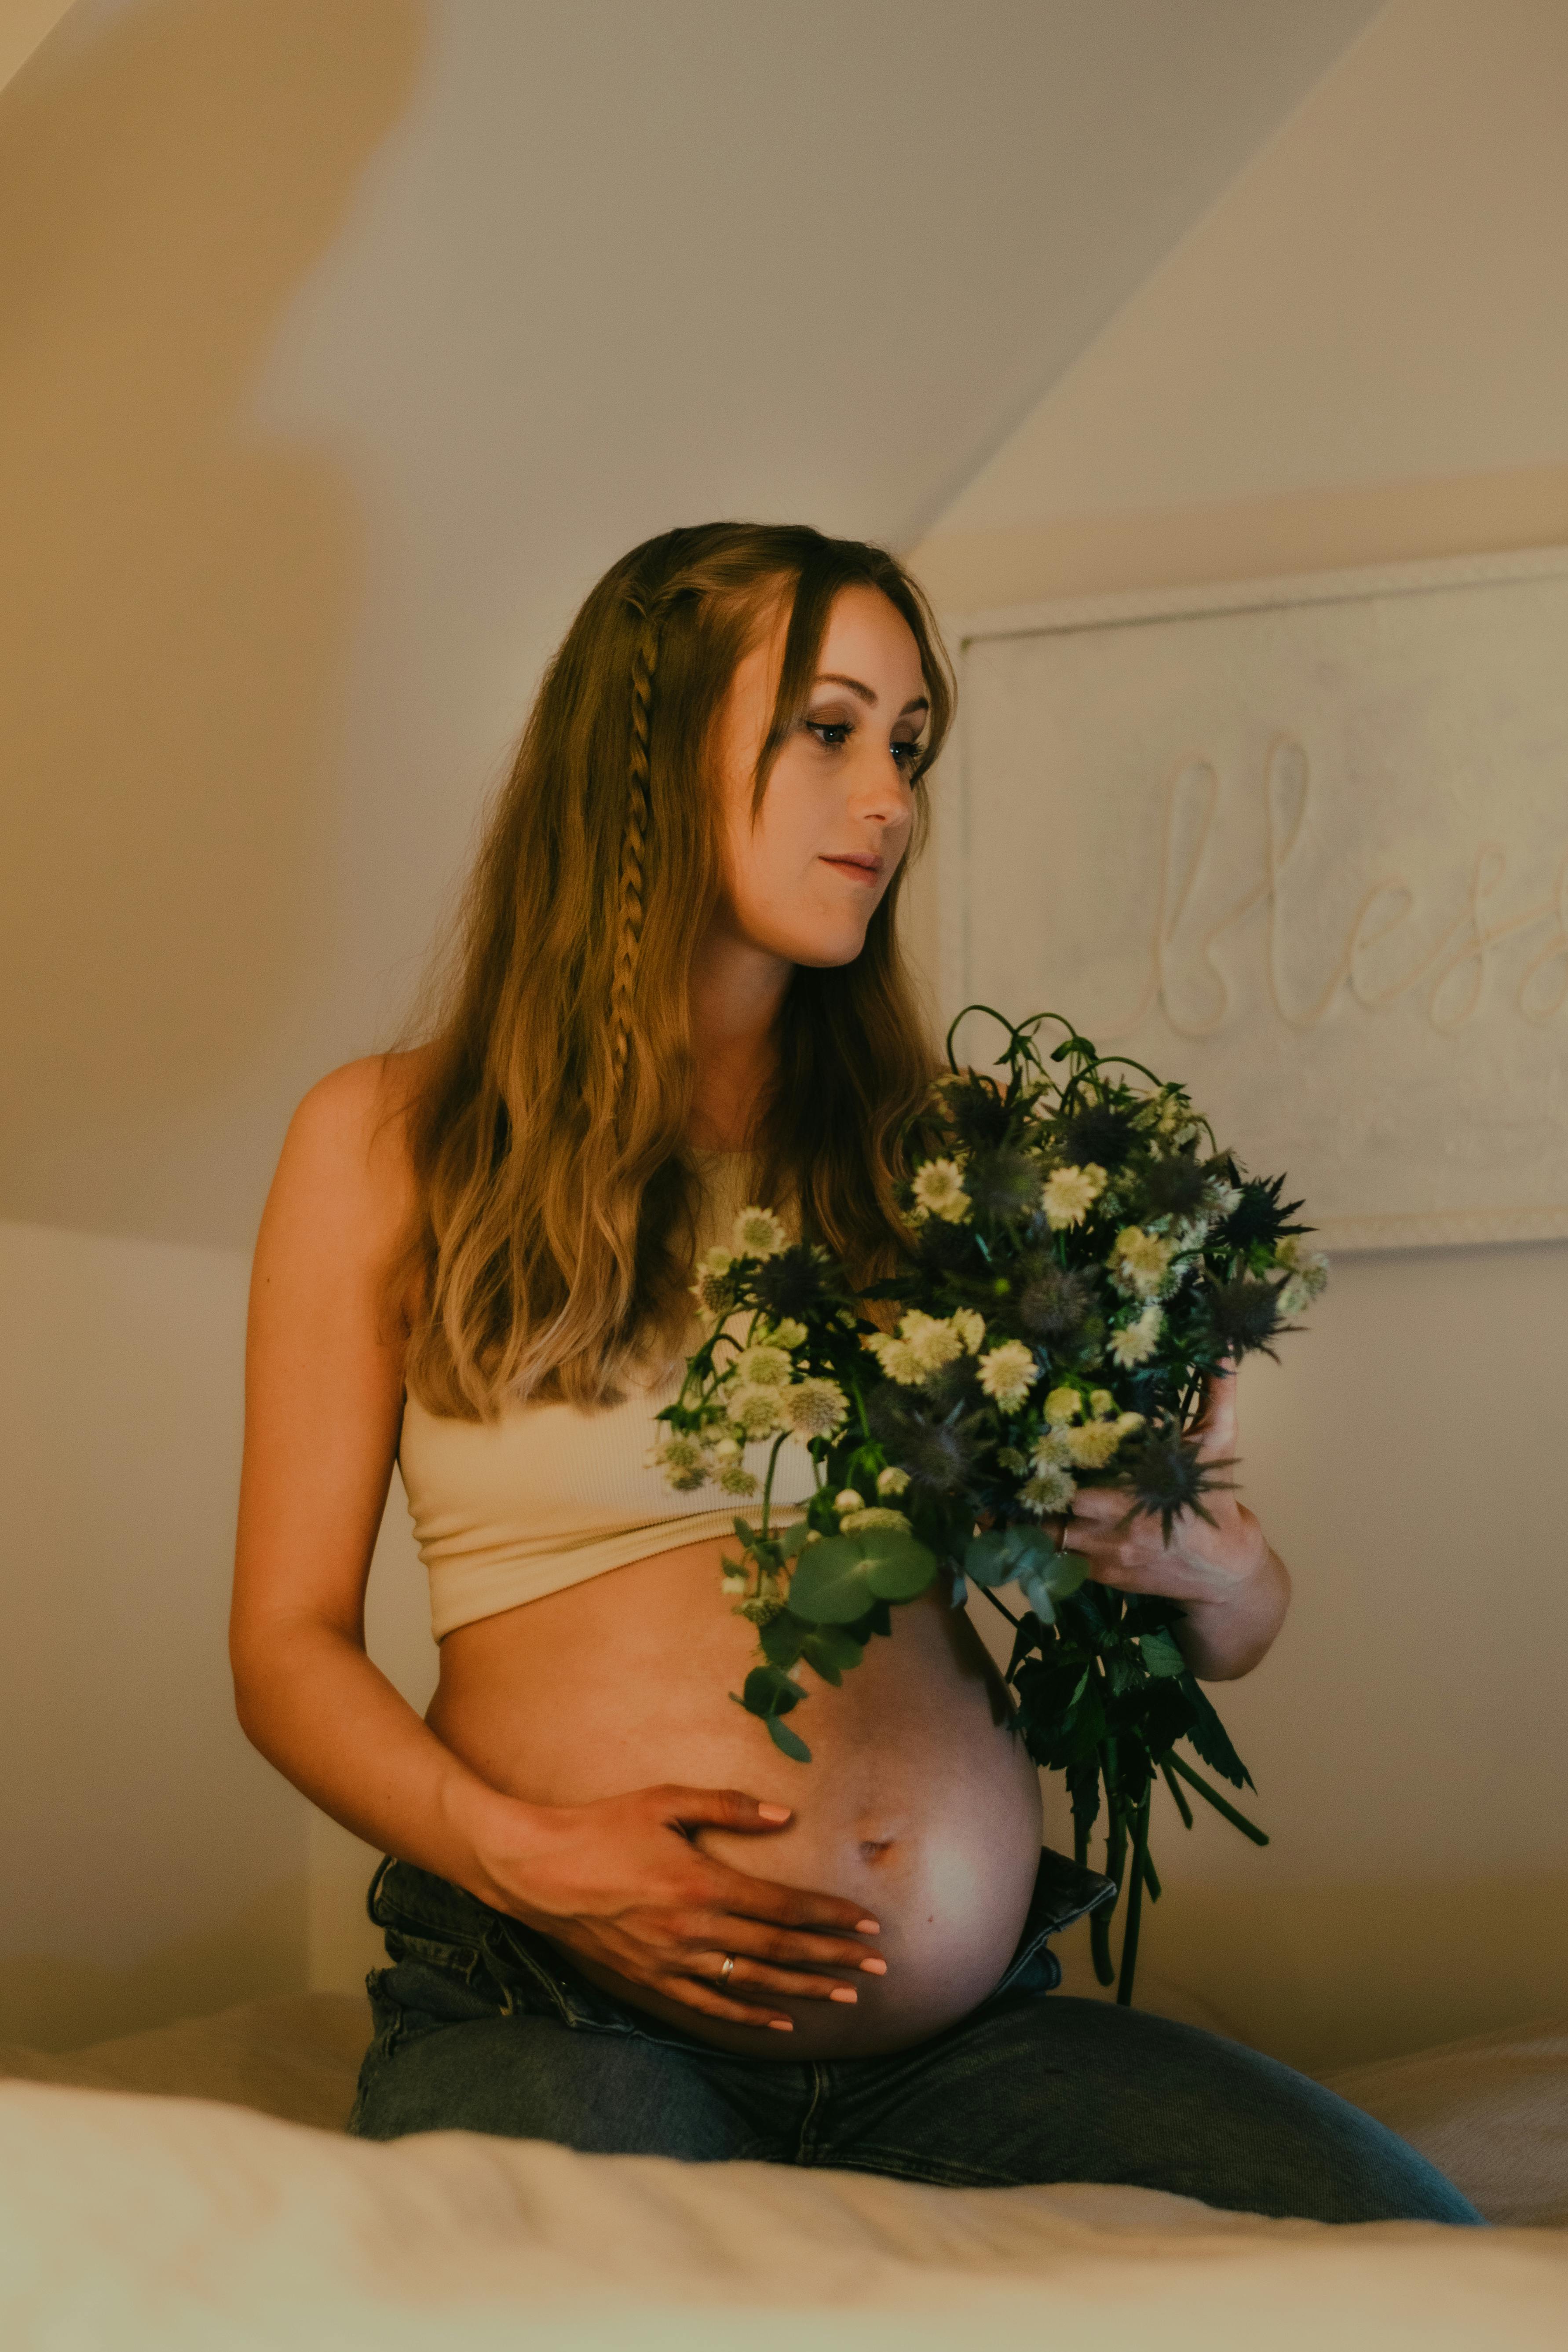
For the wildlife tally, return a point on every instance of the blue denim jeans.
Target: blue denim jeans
(482, 2025)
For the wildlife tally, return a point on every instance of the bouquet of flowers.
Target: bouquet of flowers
(1081, 1255)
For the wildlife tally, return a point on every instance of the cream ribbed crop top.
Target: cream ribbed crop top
(550, 1494)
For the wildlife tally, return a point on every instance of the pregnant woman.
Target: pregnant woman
(616, 1917)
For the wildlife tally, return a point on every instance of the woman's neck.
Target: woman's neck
(737, 990)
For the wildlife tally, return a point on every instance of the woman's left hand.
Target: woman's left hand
(1234, 1589)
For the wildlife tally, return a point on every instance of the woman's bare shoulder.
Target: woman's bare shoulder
(346, 1170)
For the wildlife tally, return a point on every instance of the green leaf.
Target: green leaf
(790, 1741)
(782, 1639)
(832, 1645)
(746, 1532)
(988, 1559)
(832, 1585)
(1161, 1656)
(1209, 1736)
(768, 1690)
(794, 1539)
(900, 1568)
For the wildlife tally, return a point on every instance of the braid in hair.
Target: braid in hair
(629, 908)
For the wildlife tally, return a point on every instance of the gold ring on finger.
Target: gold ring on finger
(728, 1971)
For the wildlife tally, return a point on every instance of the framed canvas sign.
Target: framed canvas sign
(1303, 845)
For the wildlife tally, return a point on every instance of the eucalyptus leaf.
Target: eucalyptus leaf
(901, 1573)
(790, 1741)
(794, 1539)
(768, 1691)
(831, 1585)
(834, 1642)
(988, 1560)
(782, 1638)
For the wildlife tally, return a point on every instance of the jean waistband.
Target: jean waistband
(430, 1916)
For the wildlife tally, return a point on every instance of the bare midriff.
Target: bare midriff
(920, 1801)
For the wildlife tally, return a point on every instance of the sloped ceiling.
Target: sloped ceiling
(571, 273)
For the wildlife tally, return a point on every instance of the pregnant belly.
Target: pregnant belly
(920, 1801)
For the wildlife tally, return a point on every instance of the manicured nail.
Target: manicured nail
(874, 1968)
(774, 1813)
(843, 1992)
(782, 2025)
(867, 1928)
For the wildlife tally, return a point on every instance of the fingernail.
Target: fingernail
(843, 1992)
(781, 2024)
(774, 1813)
(867, 1928)
(874, 1968)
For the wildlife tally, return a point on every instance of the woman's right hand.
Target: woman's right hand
(622, 1883)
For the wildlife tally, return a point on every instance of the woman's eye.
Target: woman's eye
(907, 754)
(831, 732)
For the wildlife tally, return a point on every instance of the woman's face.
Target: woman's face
(803, 873)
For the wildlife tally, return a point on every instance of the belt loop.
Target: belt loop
(382, 1866)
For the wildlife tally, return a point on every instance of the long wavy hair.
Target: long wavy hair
(548, 1126)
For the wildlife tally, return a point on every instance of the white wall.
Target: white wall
(341, 347)
(1360, 355)
(149, 1853)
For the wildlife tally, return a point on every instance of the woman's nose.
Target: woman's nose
(882, 790)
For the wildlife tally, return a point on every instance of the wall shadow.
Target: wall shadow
(176, 594)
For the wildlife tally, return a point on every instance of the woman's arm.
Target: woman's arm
(620, 1881)
(1235, 1589)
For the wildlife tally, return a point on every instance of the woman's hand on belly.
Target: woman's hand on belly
(621, 1884)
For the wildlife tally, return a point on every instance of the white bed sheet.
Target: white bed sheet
(130, 2222)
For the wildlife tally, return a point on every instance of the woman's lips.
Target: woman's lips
(860, 869)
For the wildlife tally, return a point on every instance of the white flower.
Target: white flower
(892, 1481)
(814, 1407)
(1008, 1373)
(1053, 1490)
(898, 1359)
(853, 1522)
(733, 1582)
(1309, 1267)
(759, 1234)
(1008, 1458)
(734, 1479)
(1223, 1198)
(1140, 1262)
(1093, 1444)
(762, 1368)
(711, 1287)
(1053, 1449)
(932, 1340)
(1135, 1342)
(970, 1326)
(847, 1499)
(939, 1192)
(787, 1334)
(1101, 1403)
(1069, 1194)
(754, 1412)
(726, 1449)
(1061, 1406)
(683, 1459)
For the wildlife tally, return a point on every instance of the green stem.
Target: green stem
(1115, 1864)
(1183, 1807)
(1239, 1821)
(768, 1480)
(1134, 1905)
